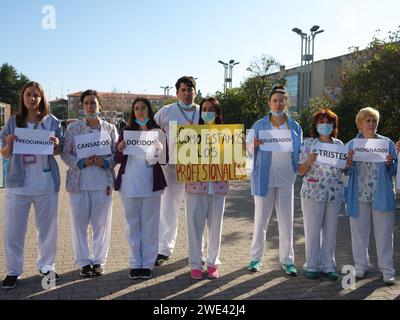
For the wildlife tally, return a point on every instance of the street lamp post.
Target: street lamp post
(307, 61)
(166, 90)
(228, 73)
(225, 65)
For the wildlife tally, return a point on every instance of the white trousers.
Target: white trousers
(202, 208)
(16, 212)
(282, 199)
(383, 230)
(142, 218)
(94, 208)
(171, 201)
(320, 225)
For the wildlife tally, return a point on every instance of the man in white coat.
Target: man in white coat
(184, 111)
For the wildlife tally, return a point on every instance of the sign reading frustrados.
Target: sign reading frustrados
(210, 152)
(137, 142)
(332, 155)
(370, 150)
(31, 141)
(96, 143)
(276, 140)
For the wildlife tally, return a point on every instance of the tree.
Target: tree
(372, 79)
(11, 84)
(315, 104)
(258, 86)
(236, 108)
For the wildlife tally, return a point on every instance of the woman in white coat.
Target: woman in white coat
(141, 182)
(90, 183)
(31, 179)
(272, 182)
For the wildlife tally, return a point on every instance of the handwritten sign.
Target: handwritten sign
(210, 153)
(276, 140)
(31, 141)
(96, 143)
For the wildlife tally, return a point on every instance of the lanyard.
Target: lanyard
(185, 116)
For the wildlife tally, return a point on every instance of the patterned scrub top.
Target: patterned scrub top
(367, 180)
(321, 183)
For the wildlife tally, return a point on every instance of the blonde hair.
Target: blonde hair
(365, 113)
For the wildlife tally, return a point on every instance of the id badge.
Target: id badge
(29, 159)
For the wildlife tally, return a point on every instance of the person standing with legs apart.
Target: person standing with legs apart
(321, 197)
(185, 111)
(370, 195)
(90, 182)
(140, 182)
(205, 203)
(31, 179)
(272, 181)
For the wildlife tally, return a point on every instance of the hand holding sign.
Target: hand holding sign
(312, 157)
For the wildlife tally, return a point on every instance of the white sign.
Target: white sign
(370, 150)
(137, 142)
(31, 141)
(276, 140)
(332, 155)
(97, 143)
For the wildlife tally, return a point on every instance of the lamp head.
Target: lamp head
(297, 30)
(314, 28)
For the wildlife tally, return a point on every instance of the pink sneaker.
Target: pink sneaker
(213, 273)
(196, 274)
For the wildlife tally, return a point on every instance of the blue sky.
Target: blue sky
(138, 46)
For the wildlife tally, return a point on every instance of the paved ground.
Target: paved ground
(172, 280)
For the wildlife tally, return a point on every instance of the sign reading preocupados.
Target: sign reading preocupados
(137, 142)
(96, 143)
(31, 141)
(210, 152)
(370, 150)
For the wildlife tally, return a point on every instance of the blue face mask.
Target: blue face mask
(276, 114)
(325, 129)
(142, 123)
(208, 117)
(185, 106)
(93, 116)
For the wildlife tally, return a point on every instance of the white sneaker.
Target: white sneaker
(360, 274)
(389, 279)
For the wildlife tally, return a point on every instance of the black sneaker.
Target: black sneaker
(146, 274)
(86, 271)
(160, 259)
(43, 274)
(134, 274)
(9, 282)
(98, 270)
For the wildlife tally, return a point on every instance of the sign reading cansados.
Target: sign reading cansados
(210, 152)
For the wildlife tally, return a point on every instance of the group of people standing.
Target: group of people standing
(151, 195)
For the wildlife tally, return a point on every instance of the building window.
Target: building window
(292, 88)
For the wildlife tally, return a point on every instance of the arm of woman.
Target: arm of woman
(68, 153)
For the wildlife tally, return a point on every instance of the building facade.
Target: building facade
(113, 104)
(5, 113)
(325, 80)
